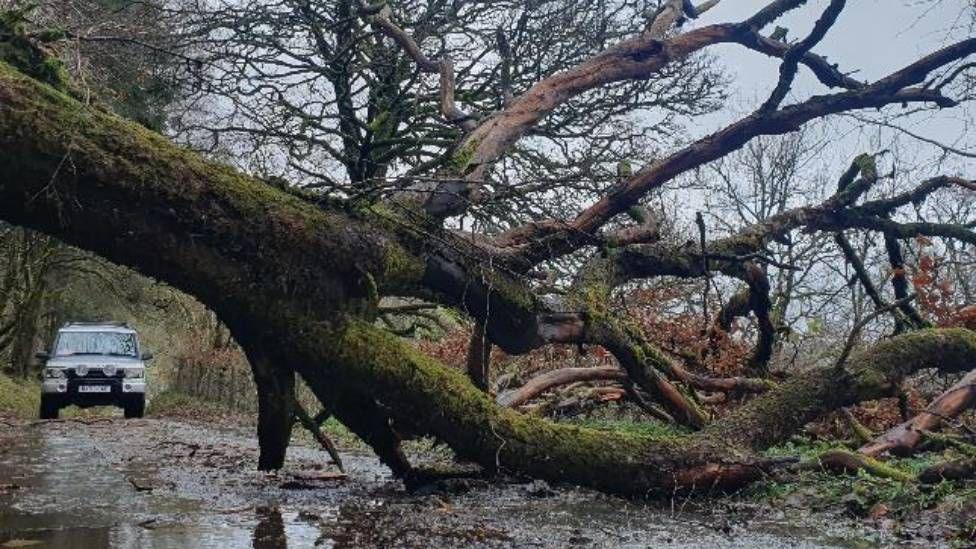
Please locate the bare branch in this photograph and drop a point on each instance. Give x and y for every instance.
(793, 55)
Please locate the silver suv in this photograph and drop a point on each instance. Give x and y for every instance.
(94, 364)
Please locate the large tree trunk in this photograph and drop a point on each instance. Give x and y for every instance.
(299, 281)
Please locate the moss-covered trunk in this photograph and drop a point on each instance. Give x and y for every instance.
(293, 279)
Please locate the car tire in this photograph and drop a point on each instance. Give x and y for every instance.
(135, 408)
(49, 408)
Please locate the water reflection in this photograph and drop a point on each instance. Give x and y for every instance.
(269, 533)
(63, 493)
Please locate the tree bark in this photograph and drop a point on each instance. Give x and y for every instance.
(276, 411)
(479, 357)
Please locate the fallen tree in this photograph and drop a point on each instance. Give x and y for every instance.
(297, 276)
(296, 283)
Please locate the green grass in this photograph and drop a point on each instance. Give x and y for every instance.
(340, 435)
(19, 398)
(172, 403)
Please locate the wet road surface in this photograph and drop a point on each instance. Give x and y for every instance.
(166, 484)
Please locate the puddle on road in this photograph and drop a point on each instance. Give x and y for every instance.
(132, 485)
(62, 493)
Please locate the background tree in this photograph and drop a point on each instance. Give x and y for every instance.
(340, 105)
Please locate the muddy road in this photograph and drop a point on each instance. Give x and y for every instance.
(165, 483)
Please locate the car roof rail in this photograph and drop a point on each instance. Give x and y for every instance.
(98, 323)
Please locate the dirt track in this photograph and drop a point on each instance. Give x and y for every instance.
(167, 483)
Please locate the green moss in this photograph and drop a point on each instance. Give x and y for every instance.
(401, 267)
(24, 52)
(859, 492)
(511, 290)
(376, 124)
(461, 159)
(875, 467)
(447, 406)
(52, 70)
(877, 370)
(345, 439)
(867, 165)
(652, 429)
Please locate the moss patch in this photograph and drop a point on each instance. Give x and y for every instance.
(651, 428)
(345, 439)
(25, 52)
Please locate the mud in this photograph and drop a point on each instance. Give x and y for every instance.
(165, 483)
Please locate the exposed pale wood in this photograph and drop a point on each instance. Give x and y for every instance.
(557, 378)
(906, 436)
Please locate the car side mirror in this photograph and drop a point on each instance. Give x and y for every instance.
(147, 356)
(42, 355)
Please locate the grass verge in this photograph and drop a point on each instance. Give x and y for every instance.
(19, 398)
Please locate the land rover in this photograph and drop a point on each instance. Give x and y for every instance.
(94, 364)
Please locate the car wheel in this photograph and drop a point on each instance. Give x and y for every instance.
(49, 408)
(135, 408)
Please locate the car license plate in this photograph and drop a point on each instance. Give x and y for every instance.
(95, 389)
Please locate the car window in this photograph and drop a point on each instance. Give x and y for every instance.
(96, 343)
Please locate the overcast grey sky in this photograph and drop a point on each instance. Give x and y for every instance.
(874, 37)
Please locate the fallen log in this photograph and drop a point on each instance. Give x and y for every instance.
(905, 437)
(960, 469)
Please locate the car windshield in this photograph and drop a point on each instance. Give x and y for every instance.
(96, 343)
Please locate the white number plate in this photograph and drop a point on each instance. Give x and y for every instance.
(95, 389)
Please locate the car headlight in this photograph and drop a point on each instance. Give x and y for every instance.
(109, 370)
(53, 373)
(133, 372)
(81, 370)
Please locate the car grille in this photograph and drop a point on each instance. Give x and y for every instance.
(96, 373)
